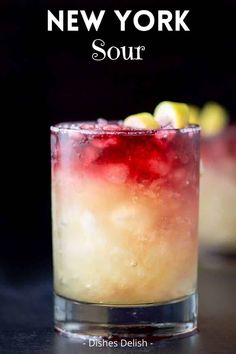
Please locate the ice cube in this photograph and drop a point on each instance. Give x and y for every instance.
(116, 173)
(134, 218)
(163, 138)
(103, 142)
(90, 155)
(87, 126)
(111, 127)
(88, 222)
(180, 176)
(159, 167)
(102, 121)
(77, 137)
(123, 214)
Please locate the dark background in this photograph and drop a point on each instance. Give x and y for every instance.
(50, 77)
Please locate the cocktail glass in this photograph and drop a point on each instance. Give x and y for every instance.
(125, 216)
(218, 193)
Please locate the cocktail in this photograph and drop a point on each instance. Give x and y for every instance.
(217, 224)
(218, 192)
(125, 216)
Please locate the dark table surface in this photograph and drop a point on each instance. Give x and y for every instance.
(26, 325)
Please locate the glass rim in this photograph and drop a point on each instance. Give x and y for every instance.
(65, 127)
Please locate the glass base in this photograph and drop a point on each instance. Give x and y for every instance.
(163, 320)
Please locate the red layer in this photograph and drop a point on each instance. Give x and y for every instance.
(170, 156)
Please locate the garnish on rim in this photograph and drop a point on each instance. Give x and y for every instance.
(213, 118)
(172, 114)
(142, 120)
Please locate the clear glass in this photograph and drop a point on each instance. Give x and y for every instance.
(218, 193)
(125, 216)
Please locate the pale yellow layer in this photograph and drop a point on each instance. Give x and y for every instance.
(119, 244)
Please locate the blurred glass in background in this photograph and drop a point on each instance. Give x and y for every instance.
(217, 220)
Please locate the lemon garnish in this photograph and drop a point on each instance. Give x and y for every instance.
(194, 114)
(174, 114)
(142, 120)
(213, 118)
